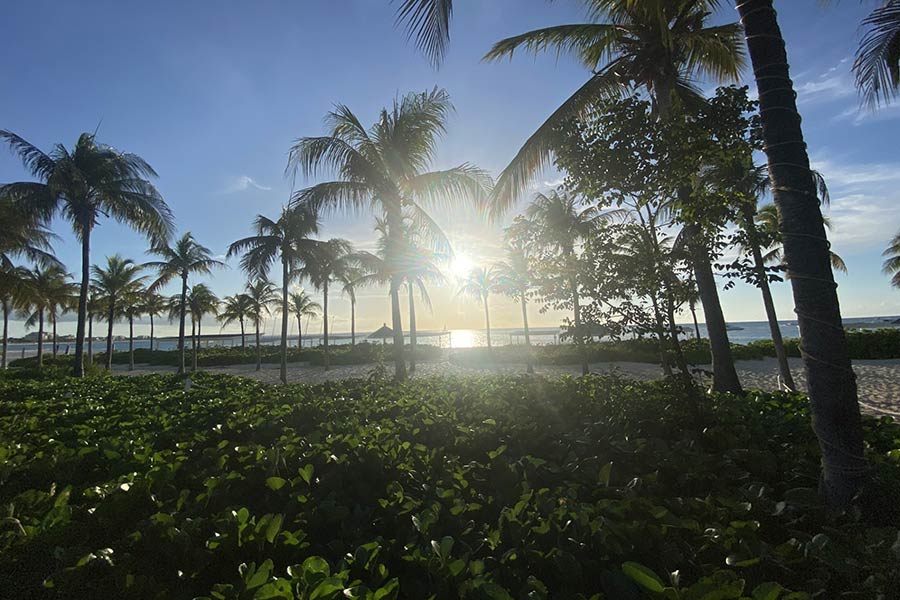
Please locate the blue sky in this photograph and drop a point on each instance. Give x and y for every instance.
(213, 93)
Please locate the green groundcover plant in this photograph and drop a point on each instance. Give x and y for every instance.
(494, 487)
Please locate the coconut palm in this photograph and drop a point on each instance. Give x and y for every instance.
(513, 279)
(301, 305)
(13, 288)
(767, 222)
(42, 289)
(90, 181)
(200, 301)
(891, 264)
(349, 281)
(63, 298)
(285, 240)
(132, 306)
(479, 284)
(428, 22)
(327, 262)
(152, 305)
(119, 279)
(561, 222)
(180, 260)
(830, 380)
(23, 236)
(877, 64)
(385, 169)
(261, 295)
(94, 310)
(235, 308)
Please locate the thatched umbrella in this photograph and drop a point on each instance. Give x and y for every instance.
(382, 334)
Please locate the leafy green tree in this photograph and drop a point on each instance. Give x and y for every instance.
(877, 64)
(116, 283)
(200, 301)
(479, 284)
(262, 296)
(831, 382)
(327, 262)
(385, 169)
(286, 241)
(180, 260)
(235, 308)
(303, 306)
(88, 182)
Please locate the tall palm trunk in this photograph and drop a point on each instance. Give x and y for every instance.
(53, 331)
(90, 339)
(131, 342)
(151, 332)
(111, 317)
(181, 317)
(83, 299)
(487, 319)
(412, 329)
(285, 315)
(759, 267)
(258, 349)
(693, 307)
(830, 379)
(41, 338)
(529, 366)
(243, 342)
(195, 341)
(353, 320)
(299, 332)
(725, 377)
(673, 333)
(576, 305)
(5, 330)
(397, 325)
(325, 324)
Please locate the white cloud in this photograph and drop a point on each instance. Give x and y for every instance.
(835, 83)
(847, 175)
(242, 183)
(859, 114)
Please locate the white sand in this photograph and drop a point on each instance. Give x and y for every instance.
(878, 380)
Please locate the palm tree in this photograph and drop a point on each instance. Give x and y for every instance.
(235, 308)
(120, 279)
(261, 295)
(891, 264)
(428, 21)
(877, 64)
(514, 279)
(286, 240)
(384, 169)
(830, 380)
(153, 305)
(766, 219)
(562, 223)
(23, 236)
(42, 289)
(328, 261)
(132, 306)
(302, 305)
(90, 181)
(350, 280)
(180, 260)
(94, 309)
(200, 301)
(13, 288)
(479, 284)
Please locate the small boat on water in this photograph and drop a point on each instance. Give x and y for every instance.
(730, 327)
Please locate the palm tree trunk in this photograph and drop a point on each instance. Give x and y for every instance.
(194, 343)
(131, 342)
(830, 379)
(579, 338)
(673, 333)
(325, 324)
(725, 378)
(258, 349)
(759, 266)
(151, 332)
(111, 317)
(41, 338)
(181, 323)
(487, 320)
(397, 325)
(353, 320)
(299, 333)
(53, 330)
(412, 329)
(83, 299)
(5, 330)
(243, 342)
(528, 361)
(660, 336)
(693, 308)
(90, 339)
(285, 315)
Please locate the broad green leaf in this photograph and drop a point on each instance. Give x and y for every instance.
(605, 472)
(643, 576)
(276, 483)
(274, 527)
(306, 473)
(767, 591)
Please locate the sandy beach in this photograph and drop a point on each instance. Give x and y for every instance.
(878, 380)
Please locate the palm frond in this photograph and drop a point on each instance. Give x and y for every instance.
(428, 22)
(877, 63)
(589, 42)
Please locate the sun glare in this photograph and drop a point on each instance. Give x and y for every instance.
(461, 265)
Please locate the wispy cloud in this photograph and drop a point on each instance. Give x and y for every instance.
(243, 183)
(858, 114)
(834, 84)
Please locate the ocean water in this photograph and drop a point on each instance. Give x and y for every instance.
(739, 332)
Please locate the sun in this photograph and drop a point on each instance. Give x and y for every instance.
(461, 265)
